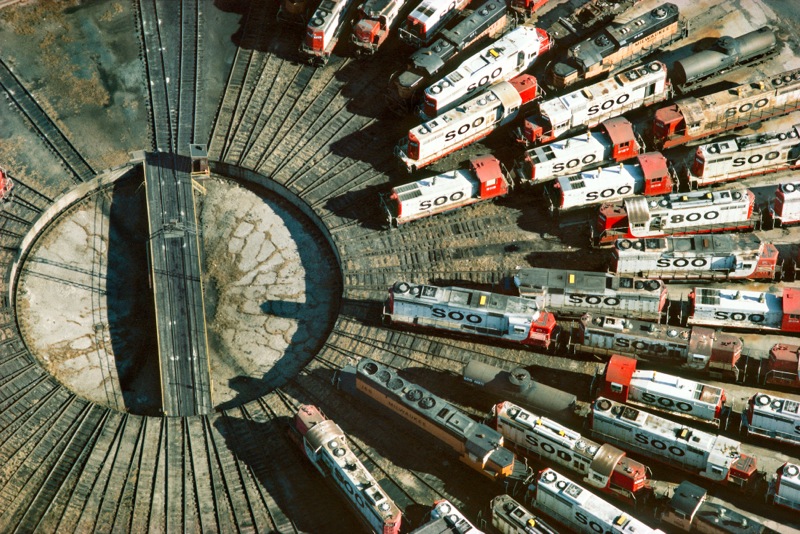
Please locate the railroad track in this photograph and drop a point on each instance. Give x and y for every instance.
(24, 101)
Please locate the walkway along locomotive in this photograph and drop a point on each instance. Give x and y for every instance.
(716, 458)
(484, 180)
(567, 293)
(697, 212)
(617, 46)
(471, 121)
(603, 467)
(471, 312)
(502, 60)
(706, 257)
(325, 444)
(477, 445)
(613, 141)
(754, 310)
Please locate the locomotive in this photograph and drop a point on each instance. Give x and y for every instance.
(484, 180)
(708, 257)
(785, 209)
(454, 520)
(603, 467)
(696, 212)
(509, 517)
(293, 12)
(727, 54)
(502, 60)
(784, 489)
(580, 510)
(716, 458)
(754, 310)
(631, 89)
(573, 293)
(478, 446)
(772, 417)
(471, 312)
(694, 118)
(659, 391)
(486, 21)
(518, 386)
(425, 21)
(613, 141)
(649, 175)
(617, 46)
(743, 156)
(696, 349)
(782, 367)
(471, 121)
(325, 444)
(6, 185)
(374, 21)
(323, 30)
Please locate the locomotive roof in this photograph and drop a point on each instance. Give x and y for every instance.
(711, 243)
(472, 298)
(687, 498)
(377, 8)
(567, 148)
(748, 142)
(674, 385)
(790, 474)
(434, 185)
(640, 208)
(744, 301)
(772, 406)
(619, 130)
(540, 278)
(556, 431)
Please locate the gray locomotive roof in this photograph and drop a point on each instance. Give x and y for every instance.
(481, 299)
(538, 278)
(687, 498)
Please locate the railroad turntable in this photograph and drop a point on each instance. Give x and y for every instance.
(295, 260)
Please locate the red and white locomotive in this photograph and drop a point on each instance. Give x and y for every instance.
(573, 293)
(785, 209)
(471, 121)
(613, 141)
(708, 257)
(698, 117)
(603, 467)
(713, 457)
(757, 310)
(471, 312)
(580, 510)
(631, 89)
(649, 175)
(484, 179)
(502, 60)
(773, 418)
(324, 28)
(696, 349)
(425, 21)
(784, 489)
(622, 382)
(697, 212)
(743, 156)
(782, 368)
(374, 21)
(325, 444)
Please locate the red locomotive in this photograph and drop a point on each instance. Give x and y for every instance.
(782, 367)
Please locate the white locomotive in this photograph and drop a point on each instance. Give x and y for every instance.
(430, 16)
(713, 457)
(742, 156)
(631, 89)
(325, 444)
(580, 510)
(697, 212)
(602, 466)
(484, 179)
(324, 28)
(509, 517)
(573, 293)
(613, 141)
(453, 518)
(697, 349)
(711, 257)
(772, 417)
(471, 312)
(785, 209)
(504, 59)
(649, 175)
(784, 489)
(733, 308)
(471, 121)
(622, 382)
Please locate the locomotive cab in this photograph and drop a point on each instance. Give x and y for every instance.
(368, 31)
(669, 122)
(623, 139)
(791, 310)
